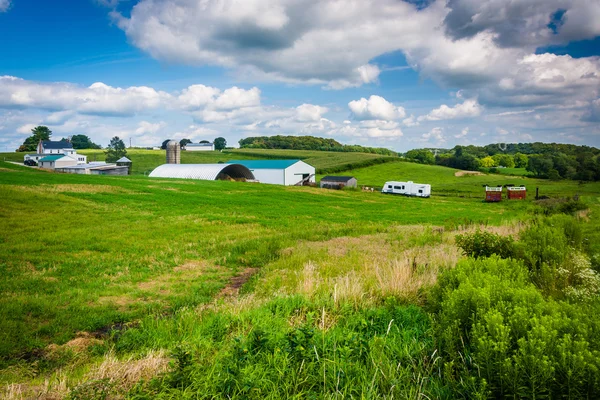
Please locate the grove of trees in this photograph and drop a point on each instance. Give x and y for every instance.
(38, 133)
(83, 142)
(544, 160)
(307, 143)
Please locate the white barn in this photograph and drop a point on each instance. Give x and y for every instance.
(200, 147)
(407, 188)
(57, 160)
(279, 172)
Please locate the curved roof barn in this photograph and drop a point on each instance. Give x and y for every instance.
(208, 172)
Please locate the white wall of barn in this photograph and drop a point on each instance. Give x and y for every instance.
(295, 173)
(272, 176)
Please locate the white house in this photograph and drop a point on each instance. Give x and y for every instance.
(49, 147)
(57, 160)
(407, 188)
(279, 172)
(200, 147)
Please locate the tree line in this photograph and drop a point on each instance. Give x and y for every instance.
(307, 143)
(544, 160)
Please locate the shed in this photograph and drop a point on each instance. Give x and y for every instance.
(280, 172)
(56, 160)
(337, 182)
(493, 193)
(125, 162)
(209, 172)
(516, 193)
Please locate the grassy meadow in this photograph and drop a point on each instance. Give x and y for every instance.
(133, 287)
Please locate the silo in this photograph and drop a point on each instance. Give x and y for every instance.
(173, 152)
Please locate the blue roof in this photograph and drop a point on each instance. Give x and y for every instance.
(264, 164)
(53, 157)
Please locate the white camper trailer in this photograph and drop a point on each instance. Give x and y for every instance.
(407, 188)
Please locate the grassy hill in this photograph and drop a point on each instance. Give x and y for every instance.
(144, 161)
(110, 282)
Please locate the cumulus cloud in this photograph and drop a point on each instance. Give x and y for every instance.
(4, 5)
(310, 113)
(467, 109)
(375, 108)
(462, 133)
(436, 135)
(99, 99)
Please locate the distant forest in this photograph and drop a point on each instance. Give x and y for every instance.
(307, 143)
(544, 160)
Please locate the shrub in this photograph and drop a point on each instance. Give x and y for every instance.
(501, 338)
(485, 244)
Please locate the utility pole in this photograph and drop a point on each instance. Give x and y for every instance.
(129, 142)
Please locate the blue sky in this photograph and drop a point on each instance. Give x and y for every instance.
(400, 75)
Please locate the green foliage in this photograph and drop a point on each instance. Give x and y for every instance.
(220, 143)
(521, 160)
(38, 133)
(183, 142)
(498, 334)
(163, 146)
(83, 142)
(115, 150)
(504, 160)
(560, 205)
(307, 143)
(422, 156)
(485, 244)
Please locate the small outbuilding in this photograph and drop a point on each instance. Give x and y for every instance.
(493, 193)
(125, 162)
(280, 172)
(516, 193)
(207, 172)
(337, 182)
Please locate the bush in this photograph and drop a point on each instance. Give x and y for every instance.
(499, 337)
(485, 244)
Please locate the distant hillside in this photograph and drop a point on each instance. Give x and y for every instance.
(307, 143)
(544, 160)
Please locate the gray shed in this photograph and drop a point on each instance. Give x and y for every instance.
(338, 182)
(125, 162)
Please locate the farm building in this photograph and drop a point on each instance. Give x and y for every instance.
(94, 168)
(209, 172)
(407, 188)
(337, 182)
(200, 147)
(516, 192)
(57, 160)
(493, 194)
(125, 162)
(48, 147)
(280, 172)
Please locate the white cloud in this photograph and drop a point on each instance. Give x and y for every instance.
(436, 134)
(462, 134)
(375, 108)
(467, 109)
(411, 121)
(99, 99)
(310, 113)
(4, 5)
(26, 129)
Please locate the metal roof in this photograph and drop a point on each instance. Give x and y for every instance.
(123, 159)
(335, 178)
(198, 144)
(265, 164)
(61, 144)
(53, 157)
(209, 172)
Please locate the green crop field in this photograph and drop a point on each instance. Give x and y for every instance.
(133, 287)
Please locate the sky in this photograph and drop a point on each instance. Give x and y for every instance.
(399, 74)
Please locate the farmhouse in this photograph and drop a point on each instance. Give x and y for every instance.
(209, 172)
(337, 182)
(49, 147)
(94, 168)
(407, 188)
(280, 172)
(57, 160)
(200, 147)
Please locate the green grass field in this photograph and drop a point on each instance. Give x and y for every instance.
(335, 307)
